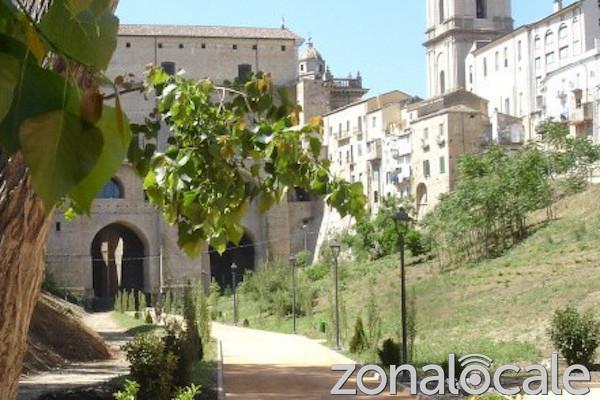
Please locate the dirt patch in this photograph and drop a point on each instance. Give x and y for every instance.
(58, 337)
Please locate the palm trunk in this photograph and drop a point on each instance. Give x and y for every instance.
(23, 231)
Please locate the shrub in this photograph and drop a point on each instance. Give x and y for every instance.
(389, 354)
(174, 341)
(193, 342)
(187, 393)
(575, 335)
(148, 318)
(203, 314)
(359, 342)
(317, 272)
(151, 366)
(130, 391)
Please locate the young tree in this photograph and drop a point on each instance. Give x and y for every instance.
(60, 142)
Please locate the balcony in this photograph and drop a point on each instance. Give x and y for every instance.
(583, 113)
(349, 83)
(425, 144)
(374, 150)
(441, 140)
(343, 135)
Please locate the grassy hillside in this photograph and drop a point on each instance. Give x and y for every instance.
(498, 307)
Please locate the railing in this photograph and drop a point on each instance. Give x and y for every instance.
(374, 150)
(583, 113)
(348, 83)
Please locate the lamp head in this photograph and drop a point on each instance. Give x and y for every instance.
(335, 247)
(402, 216)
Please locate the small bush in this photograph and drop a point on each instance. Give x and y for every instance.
(246, 323)
(575, 335)
(148, 318)
(389, 354)
(129, 392)
(151, 366)
(193, 342)
(317, 272)
(359, 342)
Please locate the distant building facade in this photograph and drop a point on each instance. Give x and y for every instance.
(125, 243)
(514, 71)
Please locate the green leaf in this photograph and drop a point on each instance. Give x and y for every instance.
(38, 92)
(115, 138)
(88, 35)
(62, 156)
(9, 76)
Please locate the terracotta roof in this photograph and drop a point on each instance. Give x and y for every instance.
(208, 31)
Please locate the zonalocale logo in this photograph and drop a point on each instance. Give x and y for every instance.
(474, 379)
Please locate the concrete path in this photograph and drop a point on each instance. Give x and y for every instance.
(262, 365)
(84, 374)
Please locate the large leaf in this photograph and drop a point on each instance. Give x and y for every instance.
(116, 134)
(88, 35)
(9, 76)
(38, 91)
(60, 153)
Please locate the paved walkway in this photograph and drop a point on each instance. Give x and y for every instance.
(262, 365)
(82, 375)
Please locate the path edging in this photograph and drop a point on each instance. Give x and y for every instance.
(220, 388)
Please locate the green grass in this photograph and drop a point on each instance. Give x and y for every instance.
(499, 307)
(134, 326)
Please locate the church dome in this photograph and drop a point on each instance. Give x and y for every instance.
(309, 52)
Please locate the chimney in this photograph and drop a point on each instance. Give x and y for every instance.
(557, 5)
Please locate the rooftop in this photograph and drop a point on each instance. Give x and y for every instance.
(208, 32)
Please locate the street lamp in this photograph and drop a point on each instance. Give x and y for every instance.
(305, 229)
(292, 261)
(335, 251)
(402, 219)
(234, 268)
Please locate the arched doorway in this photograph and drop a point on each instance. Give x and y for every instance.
(117, 261)
(242, 255)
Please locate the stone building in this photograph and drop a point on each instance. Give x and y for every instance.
(452, 28)
(124, 242)
(318, 91)
(443, 129)
(514, 71)
(367, 142)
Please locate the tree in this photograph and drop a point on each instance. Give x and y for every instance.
(60, 142)
(57, 141)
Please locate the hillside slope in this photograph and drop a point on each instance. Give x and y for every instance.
(500, 307)
(57, 337)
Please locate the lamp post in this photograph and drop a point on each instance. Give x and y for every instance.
(292, 261)
(234, 268)
(335, 251)
(305, 229)
(402, 219)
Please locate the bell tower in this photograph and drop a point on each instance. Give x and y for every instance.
(453, 26)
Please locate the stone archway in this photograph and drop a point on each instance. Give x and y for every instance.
(118, 255)
(242, 255)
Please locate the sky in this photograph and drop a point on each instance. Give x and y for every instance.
(380, 38)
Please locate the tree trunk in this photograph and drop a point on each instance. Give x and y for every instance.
(23, 232)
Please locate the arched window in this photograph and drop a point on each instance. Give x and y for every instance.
(549, 38)
(442, 82)
(112, 190)
(563, 32)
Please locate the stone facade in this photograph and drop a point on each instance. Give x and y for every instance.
(124, 232)
(514, 72)
(442, 130)
(452, 28)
